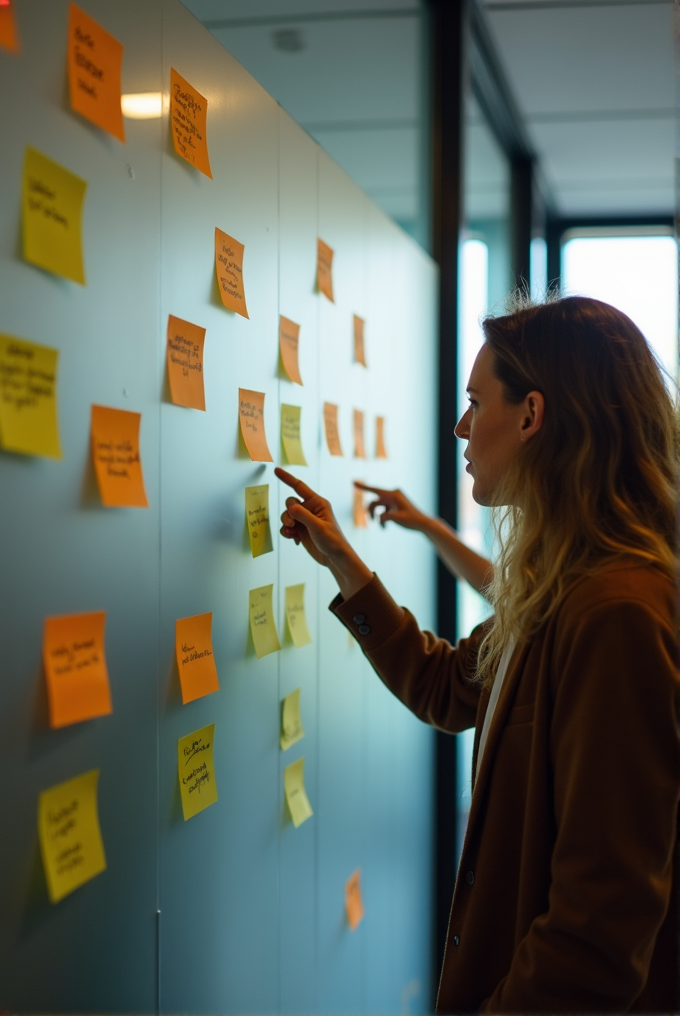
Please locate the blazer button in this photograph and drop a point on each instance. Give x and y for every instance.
(470, 877)
(364, 629)
(359, 618)
(456, 940)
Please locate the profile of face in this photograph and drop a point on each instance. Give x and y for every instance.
(494, 428)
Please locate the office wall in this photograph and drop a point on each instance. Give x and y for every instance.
(234, 910)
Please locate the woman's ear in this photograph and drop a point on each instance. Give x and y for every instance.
(532, 421)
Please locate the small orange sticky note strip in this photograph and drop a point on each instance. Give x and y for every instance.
(289, 334)
(75, 668)
(188, 113)
(380, 449)
(115, 450)
(251, 418)
(95, 59)
(324, 269)
(9, 36)
(330, 421)
(359, 445)
(185, 363)
(195, 660)
(359, 350)
(229, 268)
(359, 509)
(353, 903)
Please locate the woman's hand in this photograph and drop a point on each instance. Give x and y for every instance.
(309, 520)
(397, 507)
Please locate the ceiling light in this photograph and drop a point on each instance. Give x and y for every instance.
(142, 105)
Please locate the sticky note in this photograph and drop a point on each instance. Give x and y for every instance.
(185, 363)
(359, 509)
(359, 351)
(95, 59)
(359, 445)
(330, 421)
(195, 660)
(115, 450)
(28, 398)
(75, 668)
(289, 335)
(324, 269)
(70, 837)
(380, 449)
(251, 418)
(290, 435)
(257, 519)
(196, 771)
(262, 624)
(188, 113)
(229, 268)
(291, 724)
(296, 795)
(353, 904)
(295, 615)
(52, 212)
(9, 36)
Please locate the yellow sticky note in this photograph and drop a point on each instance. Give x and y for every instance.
(262, 624)
(188, 113)
(330, 421)
(28, 398)
(380, 449)
(52, 216)
(353, 903)
(257, 519)
(229, 269)
(290, 435)
(251, 420)
(359, 350)
(359, 443)
(295, 615)
(196, 771)
(115, 450)
(195, 660)
(184, 354)
(95, 59)
(75, 668)
(70, 838)
(296, 795)
(324, 269)
(291, 723)
(9, 36)
(289, 336)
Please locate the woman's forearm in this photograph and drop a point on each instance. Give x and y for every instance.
(464, 562)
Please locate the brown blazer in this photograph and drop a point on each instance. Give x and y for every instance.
(565, 899)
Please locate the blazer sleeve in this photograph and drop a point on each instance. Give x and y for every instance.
(615, 754)
(431, 677)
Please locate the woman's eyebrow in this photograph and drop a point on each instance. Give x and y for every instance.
(471, 389)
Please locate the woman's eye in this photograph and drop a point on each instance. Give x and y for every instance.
(472, 403)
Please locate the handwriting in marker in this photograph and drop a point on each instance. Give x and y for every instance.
(194, 654)
(196, 784)
(188, 117)
(94, 72)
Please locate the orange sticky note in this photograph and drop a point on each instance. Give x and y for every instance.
(359, 351)
(75, 668)
(185, 363)
(188, 112)
(9, 36)
(380, 450)
(359, 509)
(229, 268)
(353, 903)
(359, 446)
(330, 420)
(115, 450)
(94, 65)
(289, 334)
(324, 269)
(251, 418)
(195, 661)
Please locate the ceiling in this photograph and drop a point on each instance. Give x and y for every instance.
(593, 79)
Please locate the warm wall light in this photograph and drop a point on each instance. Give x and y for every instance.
(142, 105)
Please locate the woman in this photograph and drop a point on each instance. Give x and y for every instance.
(565, 899)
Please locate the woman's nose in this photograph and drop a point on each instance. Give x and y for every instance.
(462, 428)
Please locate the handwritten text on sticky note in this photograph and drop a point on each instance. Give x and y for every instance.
(262, 624)
(195, 659)
(229, 269)
(289, 336)
(185, 363)
(75, 668)
(70, 837)
(291, 723)
(94, 70)
(290, 435)
(196, 770)
(28, 398)
(330, 420)
(359, 508)
(295, 615)
(251, 420)
(359, 443)
(380, 449)
(188, 114)
(257, 519)
(52, 211)
(296, 795)
(115, 450)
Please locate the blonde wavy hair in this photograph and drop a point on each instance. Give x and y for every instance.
(597, 482)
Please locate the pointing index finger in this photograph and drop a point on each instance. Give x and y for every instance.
(299, 486)
(372, 490)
